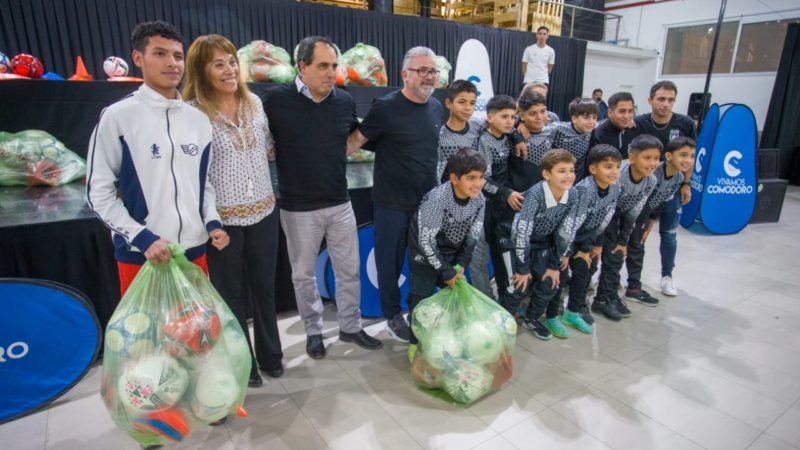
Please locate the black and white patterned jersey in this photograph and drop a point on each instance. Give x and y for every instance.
(538, 226)
(665, 187)
(498, 149)
(444, 230)
(632, 200)
(567, 137)
(451, 141)
(524, 173)
(595, 211)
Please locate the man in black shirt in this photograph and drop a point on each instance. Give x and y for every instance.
(618, 130)
(403, 130)
(666, 125)
(313, 186)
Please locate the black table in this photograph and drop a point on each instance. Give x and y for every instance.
(50, 233)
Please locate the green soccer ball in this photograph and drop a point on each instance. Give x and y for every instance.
(483, 342)
(466, 382)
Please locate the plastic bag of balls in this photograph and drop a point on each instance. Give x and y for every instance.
(175, 358)
(444, 71)
(262, 61)
(36, 158)
(466, 344)
(365, 66)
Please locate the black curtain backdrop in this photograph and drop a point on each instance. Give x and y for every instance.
(782, 127)
(59, 30)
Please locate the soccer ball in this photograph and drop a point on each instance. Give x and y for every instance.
(5, 64)
(215, 392)
(442, 349)
(466, 382)
(506, 324)
(152, 383)
(115, 66)
(193, 332)
(27, 66)
(132, 335)
(484, 343)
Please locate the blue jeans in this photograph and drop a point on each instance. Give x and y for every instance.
(668, 229)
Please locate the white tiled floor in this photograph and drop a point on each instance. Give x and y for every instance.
(716, 367)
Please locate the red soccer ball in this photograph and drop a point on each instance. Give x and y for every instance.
(27, 66)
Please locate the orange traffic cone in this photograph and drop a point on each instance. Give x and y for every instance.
(81, 74)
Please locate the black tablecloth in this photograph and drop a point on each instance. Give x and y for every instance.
(50, 234)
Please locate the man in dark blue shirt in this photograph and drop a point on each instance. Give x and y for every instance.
(403, 130)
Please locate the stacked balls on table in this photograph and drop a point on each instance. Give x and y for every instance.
(465, 357)
(173, 373)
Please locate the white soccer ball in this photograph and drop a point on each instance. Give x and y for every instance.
(152, 383)
(115, 66)
(484, 342)
(215, 393)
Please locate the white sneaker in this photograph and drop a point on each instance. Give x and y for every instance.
(668, 287)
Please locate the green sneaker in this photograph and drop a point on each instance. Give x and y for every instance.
(412, 351)
(576, 320)
(555, 327)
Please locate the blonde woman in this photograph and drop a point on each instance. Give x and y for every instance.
(239, 172)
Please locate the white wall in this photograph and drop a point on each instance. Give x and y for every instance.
(615, 69)
(646, 27)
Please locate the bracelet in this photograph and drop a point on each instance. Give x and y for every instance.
(686, 183)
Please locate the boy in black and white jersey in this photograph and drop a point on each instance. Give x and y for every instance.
(679, 158)
(445, 228)
(598, 195)
(542, 232)
(637, 182)
(461, 130)
(574, 135)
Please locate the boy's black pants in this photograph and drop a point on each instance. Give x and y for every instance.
(612, 262)
(579, 284)
(544, 297)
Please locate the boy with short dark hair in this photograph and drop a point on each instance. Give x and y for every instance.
(574, 136)
(445, 228)
(598, 196)
(502, 201)
(679, 158)
(527, 171)
(542, 232)
(461, 130)
(637, 182)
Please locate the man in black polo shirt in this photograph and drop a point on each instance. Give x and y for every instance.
(403, 130)
(666, 126)
(618, 130)
(310, 121)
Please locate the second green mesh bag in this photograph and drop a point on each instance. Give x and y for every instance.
(466, 343)
(175, 357)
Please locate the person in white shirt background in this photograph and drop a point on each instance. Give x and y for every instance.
(538, 59)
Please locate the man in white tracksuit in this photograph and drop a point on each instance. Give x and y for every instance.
(148, 163)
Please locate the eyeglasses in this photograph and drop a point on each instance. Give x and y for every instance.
(424, 72)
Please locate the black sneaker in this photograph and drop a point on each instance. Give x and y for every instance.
(607, 309)
(620, 305)
(536, 328)
(641, 296)
(586, 314)
(398, 329)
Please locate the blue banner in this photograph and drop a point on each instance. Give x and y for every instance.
(370, 295)
(729, 191)
(705, 145)
(49, 335)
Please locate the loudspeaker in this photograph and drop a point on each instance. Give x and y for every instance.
(767, 162)
(696, 104)
(769, 200)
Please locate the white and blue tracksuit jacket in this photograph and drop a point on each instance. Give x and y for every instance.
(147, 178)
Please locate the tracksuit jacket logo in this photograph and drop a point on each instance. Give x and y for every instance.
(190, 149)
(155, 151)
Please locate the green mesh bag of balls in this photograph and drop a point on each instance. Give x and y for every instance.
(175, 357)
(466, 344)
